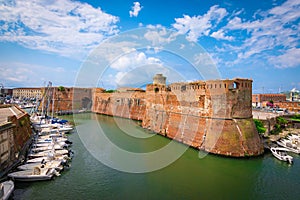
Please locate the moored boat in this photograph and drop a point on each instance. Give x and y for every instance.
(48, 153)
(56, 164)
(280, 153)
(289, 145)
(45, 148)
(6, 189)
(35, 174)
(62, 158)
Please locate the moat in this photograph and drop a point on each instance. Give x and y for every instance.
(189, 177)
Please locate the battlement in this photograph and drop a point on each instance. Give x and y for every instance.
(211, 85)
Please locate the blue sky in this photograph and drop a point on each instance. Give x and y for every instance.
(42, 40)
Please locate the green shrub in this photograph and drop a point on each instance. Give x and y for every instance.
(281, 121)
(61, 88)
(110, 91)
(259, 126)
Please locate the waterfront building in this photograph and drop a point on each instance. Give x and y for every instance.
(6, 142)
(260, 100)
(15, 133)
(27, 93)
(290, 106)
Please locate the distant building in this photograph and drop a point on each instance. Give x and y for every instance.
(260, 100)
(4, 92)
(27, 93)
(294, 95)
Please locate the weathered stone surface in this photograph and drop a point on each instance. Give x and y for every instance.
(68, 99)
(215, 116)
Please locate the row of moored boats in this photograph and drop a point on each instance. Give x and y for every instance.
(289, 144)
(48, 155)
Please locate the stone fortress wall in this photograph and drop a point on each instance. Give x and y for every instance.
(214, 115)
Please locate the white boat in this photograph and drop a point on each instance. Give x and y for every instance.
(62, 158)
(56, 164)
(45, 144)
(295, 140)
(45, 148)
(280, 153)
(35, 174)
(51, 135)
(54, 128)
(48, 152)
(50, 140)
(294, 136)
(289, 145)
(6, 189)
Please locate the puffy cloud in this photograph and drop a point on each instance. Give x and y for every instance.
(198, 26)
(136, 8)
(133, 60)
(158, 35)
(220, 35)
(64, 27)
(263, 40)
(270, 36)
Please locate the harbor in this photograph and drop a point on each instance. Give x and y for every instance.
(67, 152)
(189, 177)
(149, 100)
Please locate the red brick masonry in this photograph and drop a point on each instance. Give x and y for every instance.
(215, 116)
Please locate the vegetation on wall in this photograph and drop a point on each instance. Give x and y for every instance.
(296, 118)
(259, 126)
(61, 88)
(110, 91)
(279, 126)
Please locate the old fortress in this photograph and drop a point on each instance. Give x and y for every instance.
(214, 115)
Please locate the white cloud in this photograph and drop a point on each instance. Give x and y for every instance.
(290, 58)
(269, 36)
(26, 74)
(272, 33)
(198, 26)
(133, 60)
(220, 35)
(158, 35)
(136, 8)
(64, 27)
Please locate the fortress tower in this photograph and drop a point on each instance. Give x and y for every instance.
(213, 115)
(159, 79)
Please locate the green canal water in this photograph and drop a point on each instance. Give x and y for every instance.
(189, 177)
